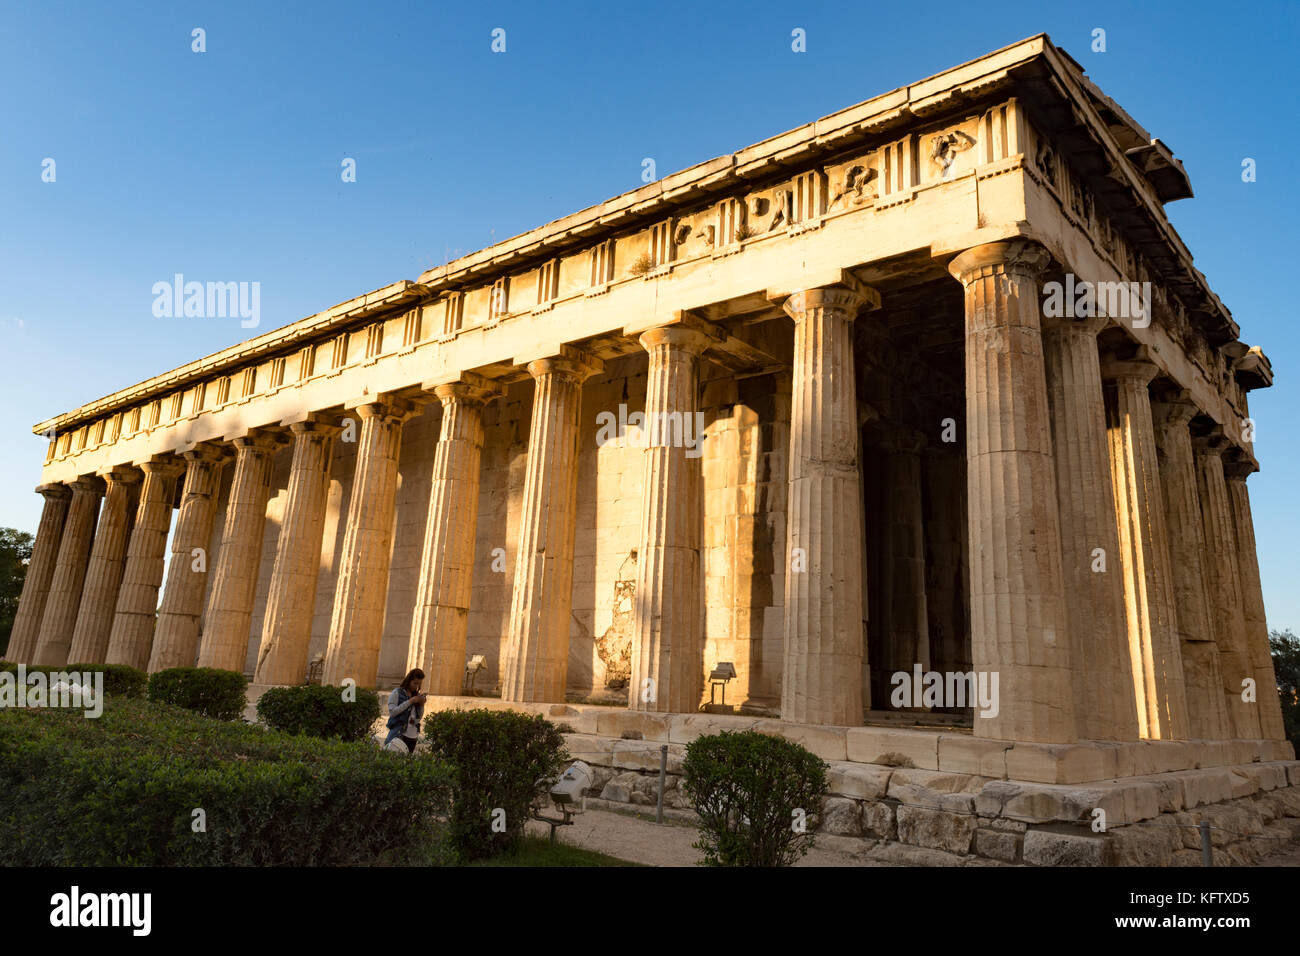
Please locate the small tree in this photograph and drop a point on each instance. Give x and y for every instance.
(758, 798)
(502, 761)
(1286, 669)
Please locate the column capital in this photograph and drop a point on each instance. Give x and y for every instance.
(569, 362)
(387, 408)
(1138, 370)
(468, 388)
(314, 427)
(1175, 410)
(1025, 256)
(851, 296)
(259, 439)
(122, 475)
(1239, 469)
(87, 485)
(165, 466)
(54, 490)
(689, 333)
(1086, 325)
(204, 452)
(1213, 443)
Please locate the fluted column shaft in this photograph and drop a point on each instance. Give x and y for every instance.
(1259, 656)
(228, 617)
(291, 600)
(822, 677)
(1154, 652)
(905, 613)
(440, 625)
(131, 638)
(1222, 585)
(537, 648)
(64, 600)
(104, 572)
(40, 572)
(176, 639)
(1207, 714)
(1094, 584)
(1018, 617)
(667, 653)
(361, 591)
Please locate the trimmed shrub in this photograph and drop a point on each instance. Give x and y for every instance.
(758, 797)
(502, 760)
(124, 788)
(204, 690)
(120, 680)
(319, 711)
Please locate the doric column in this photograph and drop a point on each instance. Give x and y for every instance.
(1222, 584)
(537, 649)
(1154, 651)
(176, 639)
(822, 675)
(291, 600)
(667, 649)
(361, 590)
(1094, 582)
(441, 621)
(1207, 714)
(904, 615)
(64, 599)
(40, 572)
(104, 573)
(1018, 617)
(131, 638)
(1259, 657)
(228, 617)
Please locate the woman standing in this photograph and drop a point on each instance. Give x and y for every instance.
(406, 710)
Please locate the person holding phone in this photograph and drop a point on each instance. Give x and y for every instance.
(406, 710)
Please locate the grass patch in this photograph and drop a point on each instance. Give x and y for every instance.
(537, 851)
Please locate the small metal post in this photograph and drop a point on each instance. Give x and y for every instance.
(1207, 854)
(663, 776)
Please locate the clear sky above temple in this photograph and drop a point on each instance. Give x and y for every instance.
(227, 165)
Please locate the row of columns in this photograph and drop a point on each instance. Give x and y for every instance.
(1101, 534)
(1091, 593)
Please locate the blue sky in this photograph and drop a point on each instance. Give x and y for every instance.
(225, 165)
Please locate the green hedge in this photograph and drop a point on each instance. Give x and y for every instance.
(119, 679)
(758, 797)
(204, 690)
(498, 757)
(123, 788)
(320, 711)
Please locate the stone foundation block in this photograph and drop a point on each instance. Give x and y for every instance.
(893, 748)
(864, 781)
(936, 829)
(998, 844)
(1053, 848)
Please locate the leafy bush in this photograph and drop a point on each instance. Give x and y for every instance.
(319, 711)
(120, 680)
(751, 792)
(204, 690)
(124, 788)
(502, 760)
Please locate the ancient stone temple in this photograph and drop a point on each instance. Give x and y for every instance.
(919, 416)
